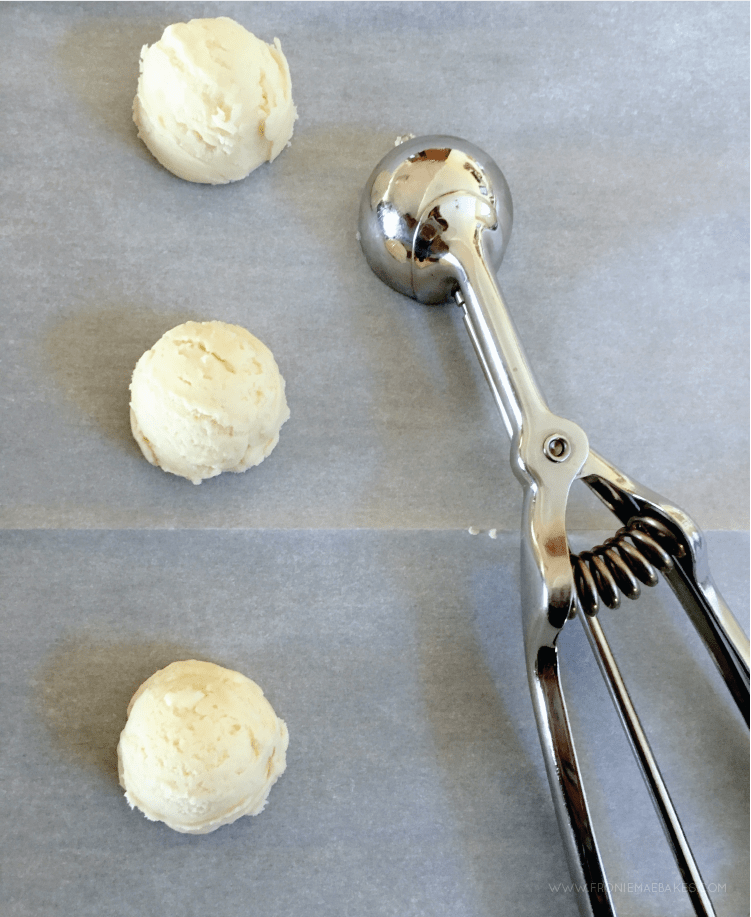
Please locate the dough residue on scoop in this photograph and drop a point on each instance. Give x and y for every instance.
(213, 102)
(208, 397)
(201, 748)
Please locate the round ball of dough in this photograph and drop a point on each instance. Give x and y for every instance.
(208, 397)
(213, 101)
(201, 748)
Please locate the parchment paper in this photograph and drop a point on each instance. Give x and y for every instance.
(340, 574)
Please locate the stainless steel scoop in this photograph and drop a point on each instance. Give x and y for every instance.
(435, 219)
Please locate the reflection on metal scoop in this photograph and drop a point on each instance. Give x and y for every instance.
(422, 205)
(435, 219)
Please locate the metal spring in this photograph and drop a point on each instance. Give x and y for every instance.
(632, 556)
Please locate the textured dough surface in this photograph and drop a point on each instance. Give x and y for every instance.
(208, 397)
(202, 747)
(213, 102)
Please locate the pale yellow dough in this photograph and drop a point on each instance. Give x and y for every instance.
(208, 397)
(202, 747)
(214, 102)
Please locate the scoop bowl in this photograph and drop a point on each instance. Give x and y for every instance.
(425, 202)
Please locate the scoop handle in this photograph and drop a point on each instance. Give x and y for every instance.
(541, 441)
(496, 342)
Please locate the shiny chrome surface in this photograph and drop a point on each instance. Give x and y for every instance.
(420, 203)
(435, 219)
(632, 556)
(688, 574)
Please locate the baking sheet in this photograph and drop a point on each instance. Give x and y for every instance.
(340, 573)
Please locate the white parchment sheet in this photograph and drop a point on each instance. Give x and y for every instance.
(340, 574)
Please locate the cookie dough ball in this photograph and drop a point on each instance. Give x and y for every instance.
(213, 101)
(202, 747)
(208, 397)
